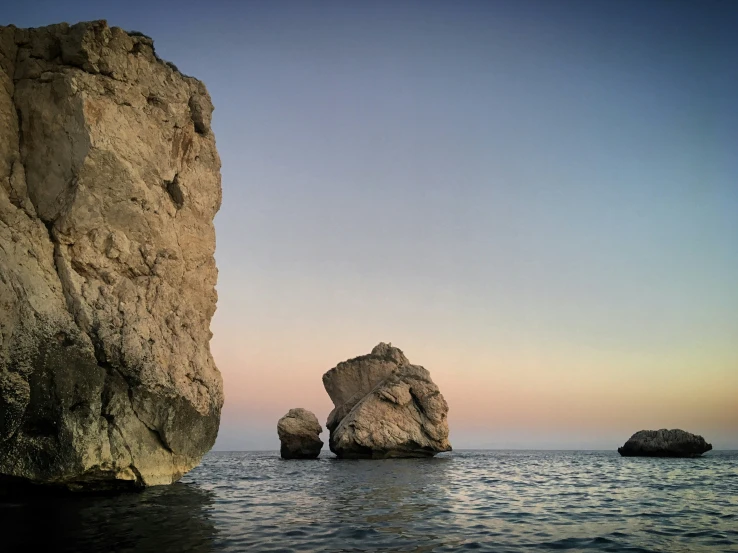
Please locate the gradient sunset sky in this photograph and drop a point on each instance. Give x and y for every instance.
(537, 201)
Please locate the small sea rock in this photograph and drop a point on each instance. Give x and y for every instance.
(664, 443)
(298, 433)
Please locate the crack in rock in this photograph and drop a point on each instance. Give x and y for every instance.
(104, 304)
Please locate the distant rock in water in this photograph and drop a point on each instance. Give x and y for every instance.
(298, 433)
(664, 443)
(109, 182)
(385, 407)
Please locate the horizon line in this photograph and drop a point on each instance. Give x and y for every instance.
(460, 449)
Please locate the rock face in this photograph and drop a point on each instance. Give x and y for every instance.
(109, 182)
(298, 433)
(385, 407)
(664, 443)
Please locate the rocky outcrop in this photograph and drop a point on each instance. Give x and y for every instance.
(298, 434)
(352, 380)
(109, 182)
(385, 407)
(664, 443)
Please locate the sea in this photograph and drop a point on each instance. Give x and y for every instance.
(464, 500)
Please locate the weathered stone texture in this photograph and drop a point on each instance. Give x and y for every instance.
(385, 407)
(299, 432)
(109, 182)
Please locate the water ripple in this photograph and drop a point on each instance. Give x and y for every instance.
(469, 500)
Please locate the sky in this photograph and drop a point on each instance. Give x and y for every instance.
(537, 201)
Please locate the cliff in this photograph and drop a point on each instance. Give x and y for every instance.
(109, 182)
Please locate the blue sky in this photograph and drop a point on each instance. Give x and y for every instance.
(535, 200)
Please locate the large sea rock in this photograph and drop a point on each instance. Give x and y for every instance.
(109, 182)
(385, 407)
(664, 443)
(299, 432)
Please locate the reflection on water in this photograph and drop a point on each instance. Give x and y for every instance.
(483, 500)
(172, 518)
(384, 502)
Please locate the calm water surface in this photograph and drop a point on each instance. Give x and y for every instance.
(476, 500)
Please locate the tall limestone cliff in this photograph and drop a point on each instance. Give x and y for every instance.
(109, 182)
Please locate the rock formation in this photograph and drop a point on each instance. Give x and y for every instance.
(298, 433)
(385, 407)
(664, 443)
(109, 182)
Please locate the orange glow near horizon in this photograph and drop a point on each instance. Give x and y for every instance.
(499, 392)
